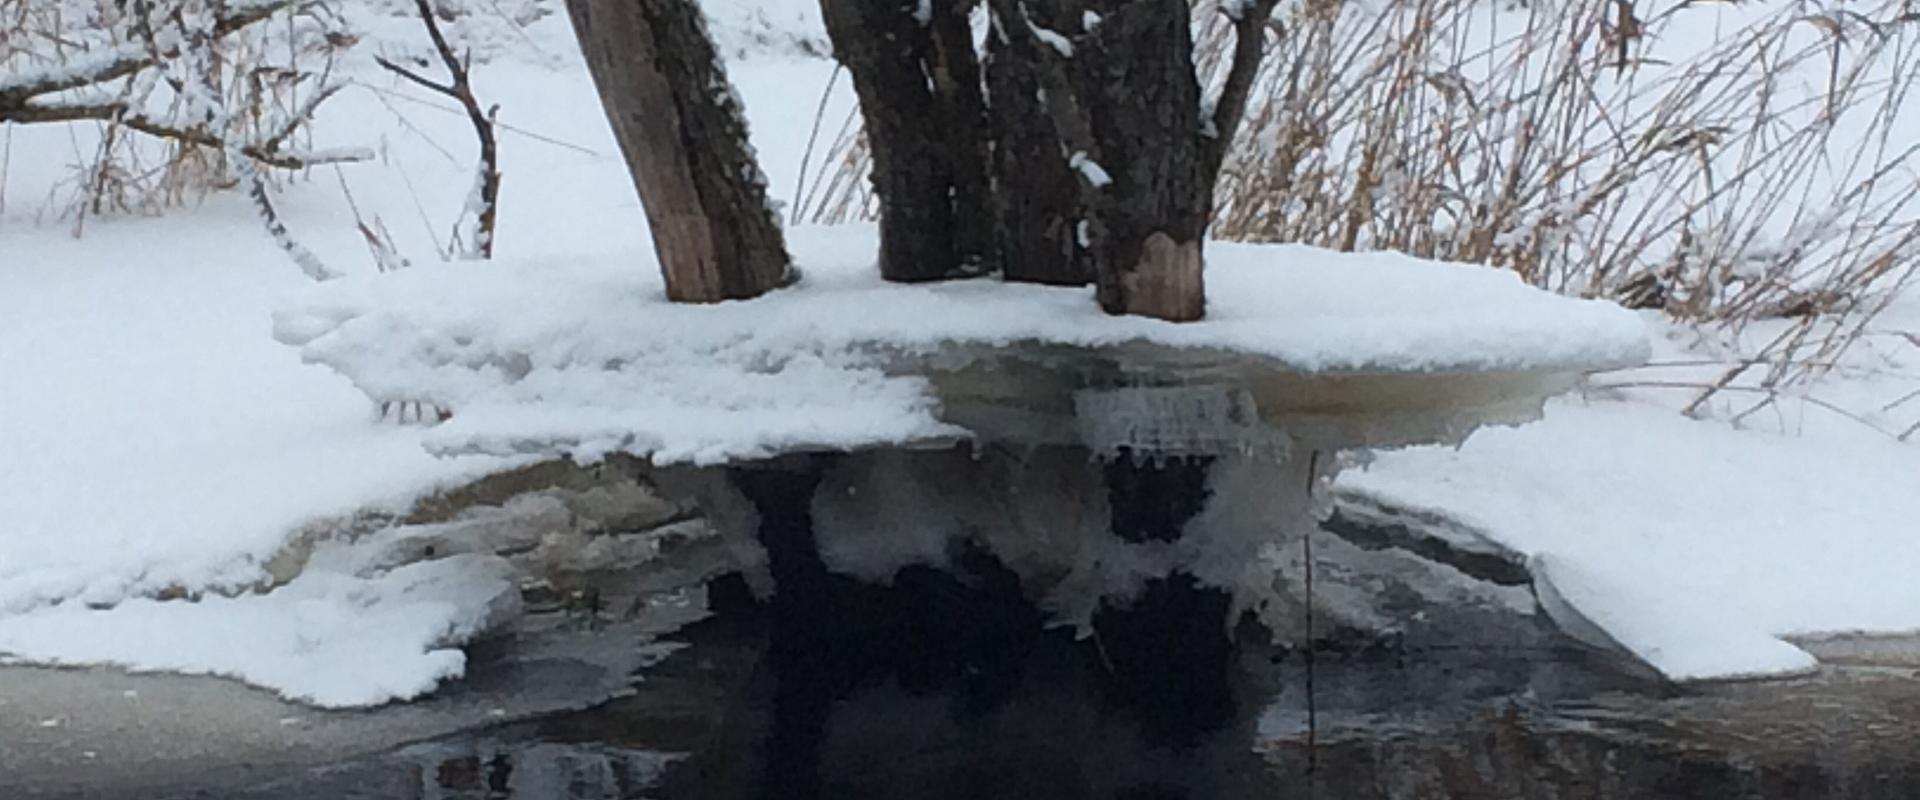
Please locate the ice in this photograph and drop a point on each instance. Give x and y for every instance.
(1682, 640)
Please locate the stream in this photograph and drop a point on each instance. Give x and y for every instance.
(926, 707)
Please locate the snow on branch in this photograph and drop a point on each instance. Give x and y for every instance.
(28, 96)
(268, 152)
(120, 61)
(474, 241)
(1249, 18)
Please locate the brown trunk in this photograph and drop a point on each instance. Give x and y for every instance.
(919, 87)
(686, 145)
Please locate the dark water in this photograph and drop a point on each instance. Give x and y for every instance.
(942, 699)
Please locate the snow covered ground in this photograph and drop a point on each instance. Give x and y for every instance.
(154, 437)
(156, 440)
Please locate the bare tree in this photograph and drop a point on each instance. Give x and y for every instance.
(681, 130)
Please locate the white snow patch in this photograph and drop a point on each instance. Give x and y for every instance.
(1053, 39)
(327, 638)
(155, 435)
(1090, 170)
(1692, 543)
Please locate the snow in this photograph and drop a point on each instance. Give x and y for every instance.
(330, 639)
(1090, 170)
(157, 442)
(1682, 641)
(1053, 39)
(136, 461)
(1696, 543)
(585, 356)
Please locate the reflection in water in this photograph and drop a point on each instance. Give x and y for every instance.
(899, 711)
(530, 770)
(943, 687)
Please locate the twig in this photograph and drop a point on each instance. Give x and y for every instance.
(1770, 393)
(387, 94)
(460, 88)
(112, 112)
(126, 59)
(1249, 20)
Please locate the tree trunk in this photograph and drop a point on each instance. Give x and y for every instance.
(685, 142)
(1143, 105)
(918, 80)
(1037, 227)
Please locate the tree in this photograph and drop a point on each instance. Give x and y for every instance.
(684, 138)
(1101, 152)
(918, 80)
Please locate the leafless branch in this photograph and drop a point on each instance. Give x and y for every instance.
(1249, 46)
(460, 88)
(416, 78)
(126, 59)
(266, 153)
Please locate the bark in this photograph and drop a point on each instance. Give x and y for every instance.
(920, 97)
(1124, 105)
(1036, 195)
(685, 142)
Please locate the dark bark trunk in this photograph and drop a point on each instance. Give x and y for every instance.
(686, 144)
(1115, 80)
(1143, 106)
(1036, 195)
(919, 87)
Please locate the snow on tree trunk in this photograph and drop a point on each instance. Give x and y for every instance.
(918, 80)
(681, 130)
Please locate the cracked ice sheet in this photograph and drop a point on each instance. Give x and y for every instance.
(1693, 544)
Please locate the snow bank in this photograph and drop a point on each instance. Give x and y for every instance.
(1693, 543)
(154, 439)
(332, 639)
(155, 436)
(586, 356)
